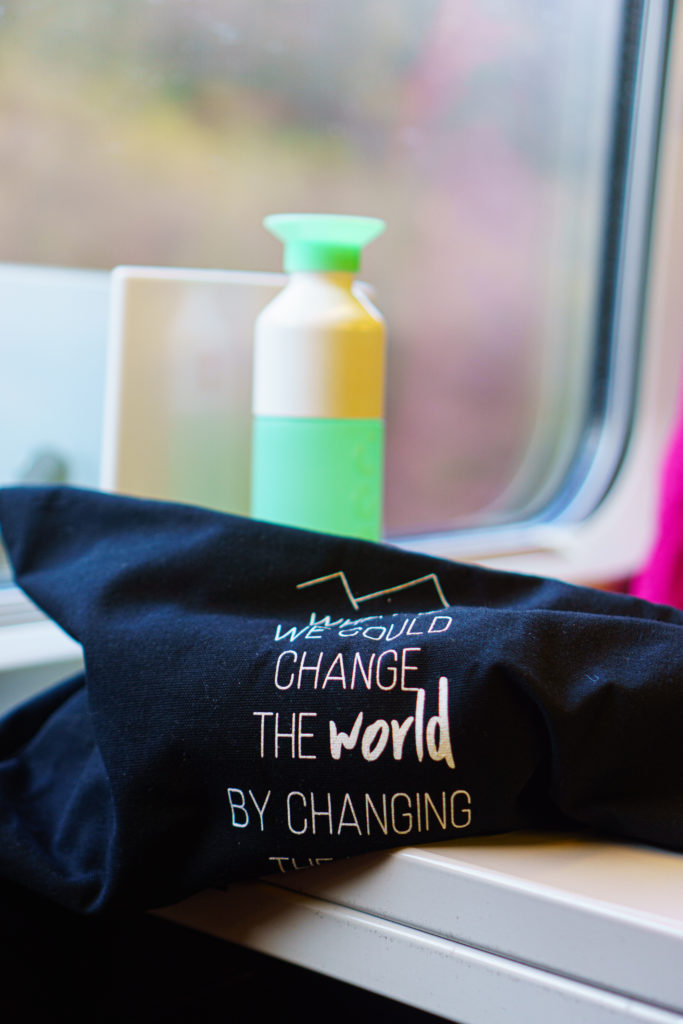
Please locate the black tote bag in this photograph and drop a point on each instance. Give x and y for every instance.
(257, 698)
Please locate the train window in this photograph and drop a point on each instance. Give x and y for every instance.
(509, 144)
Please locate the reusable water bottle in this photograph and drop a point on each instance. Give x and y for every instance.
(318, 441)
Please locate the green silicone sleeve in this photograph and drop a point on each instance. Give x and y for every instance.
(319, 474)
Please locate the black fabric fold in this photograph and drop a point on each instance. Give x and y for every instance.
(258, 698)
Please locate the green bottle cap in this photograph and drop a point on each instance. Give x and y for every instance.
(323, 241)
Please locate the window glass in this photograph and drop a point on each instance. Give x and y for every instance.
(163, 131)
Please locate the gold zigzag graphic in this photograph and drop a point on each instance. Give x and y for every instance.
(357, 601)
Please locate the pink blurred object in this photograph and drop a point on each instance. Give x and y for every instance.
(662, 578)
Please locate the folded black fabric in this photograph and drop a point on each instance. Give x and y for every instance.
(258, 698)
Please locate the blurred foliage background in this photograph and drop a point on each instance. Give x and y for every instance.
(163, 131)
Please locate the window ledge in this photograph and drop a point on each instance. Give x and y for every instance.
(31, 644)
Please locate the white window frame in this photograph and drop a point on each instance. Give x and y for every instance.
(606, 532)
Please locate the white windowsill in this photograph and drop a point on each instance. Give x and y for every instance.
(32, 644)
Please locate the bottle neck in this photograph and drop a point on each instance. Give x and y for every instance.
(336, 278)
